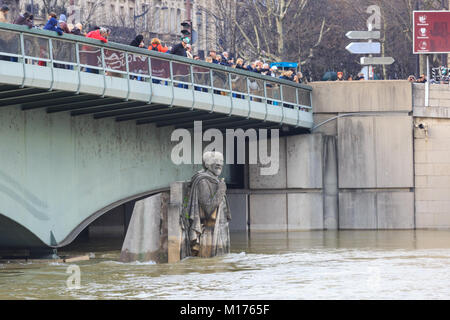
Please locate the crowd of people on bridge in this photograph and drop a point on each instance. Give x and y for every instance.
(183, 48)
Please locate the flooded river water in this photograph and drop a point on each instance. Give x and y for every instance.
(303, 265)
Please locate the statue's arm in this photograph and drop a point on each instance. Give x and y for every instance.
(208, 200)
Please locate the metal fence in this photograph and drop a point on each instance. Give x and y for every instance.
(47, 49)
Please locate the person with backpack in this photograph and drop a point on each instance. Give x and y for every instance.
(156, 45)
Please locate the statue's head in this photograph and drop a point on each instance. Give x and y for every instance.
(213, 162)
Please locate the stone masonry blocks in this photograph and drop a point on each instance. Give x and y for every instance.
(356, 153)
(357, 210)
(375, 152)
(239, 213)
(277, 181)
(395, 210)
(304, 161)
(268, 212)
(305, 211)
(394, 152)
(376, 210)
(345, 96)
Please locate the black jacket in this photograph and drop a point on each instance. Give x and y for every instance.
(24, 19)
(76, 31)
(179, 50)
(137, 41)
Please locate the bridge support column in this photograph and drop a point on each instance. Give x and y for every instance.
(146, 237)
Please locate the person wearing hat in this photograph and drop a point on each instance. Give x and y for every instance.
(62, 23)
(4, 14)
(156, 45)
(340, 76)
(273, 71)
(180, 48)
(77, 30)
(25, 19)
(189, 51)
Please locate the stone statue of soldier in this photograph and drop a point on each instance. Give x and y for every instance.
(208, 209)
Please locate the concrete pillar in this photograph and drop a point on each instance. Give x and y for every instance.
(177, 236)
(330, 184)
(146, 238)
(239, 211)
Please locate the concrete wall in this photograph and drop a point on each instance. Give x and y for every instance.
(362, 96)
(432, 173)
(376, 210)
(292, 199)
(355, 172)
(57, 170)
(432, 156)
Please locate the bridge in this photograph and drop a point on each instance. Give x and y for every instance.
(85, 126)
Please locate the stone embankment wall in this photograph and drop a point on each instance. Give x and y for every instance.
(372, 166)
(432, 157)
(355, 172)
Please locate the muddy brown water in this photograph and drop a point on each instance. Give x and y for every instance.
(301, 265)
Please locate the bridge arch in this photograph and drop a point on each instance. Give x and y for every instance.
(15, 235)
(100, 213)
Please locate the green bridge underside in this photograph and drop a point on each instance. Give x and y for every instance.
(77, 144)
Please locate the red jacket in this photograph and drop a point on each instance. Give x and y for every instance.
(158, 48)
(96, 35)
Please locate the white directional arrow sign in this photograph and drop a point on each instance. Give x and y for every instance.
(376, 60)
(364, 47)
(363, 35)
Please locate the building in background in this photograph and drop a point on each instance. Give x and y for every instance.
(127, 18)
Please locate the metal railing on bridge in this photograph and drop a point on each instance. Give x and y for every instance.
(47, 49)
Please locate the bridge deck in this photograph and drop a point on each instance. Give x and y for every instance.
(39, 69)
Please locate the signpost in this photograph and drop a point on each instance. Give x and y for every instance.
(376, 61)
(364, 47)
(369, 47)
(363, 35)
(431, 35)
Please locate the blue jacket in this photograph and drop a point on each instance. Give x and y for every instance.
(52, 25)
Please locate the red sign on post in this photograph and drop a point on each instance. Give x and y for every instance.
(431, 32)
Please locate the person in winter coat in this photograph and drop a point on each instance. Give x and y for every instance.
(99, 34)
(138, 41)
(180, 48)
(213, 55)
(265, 69)
(287, 75)
(225, 58)
(274, 71)
(189, 51)
(157, 46)
(62, 23)
(25, 19)
(77, 30)
(4, 14)
(52, 25)
(240, 64)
